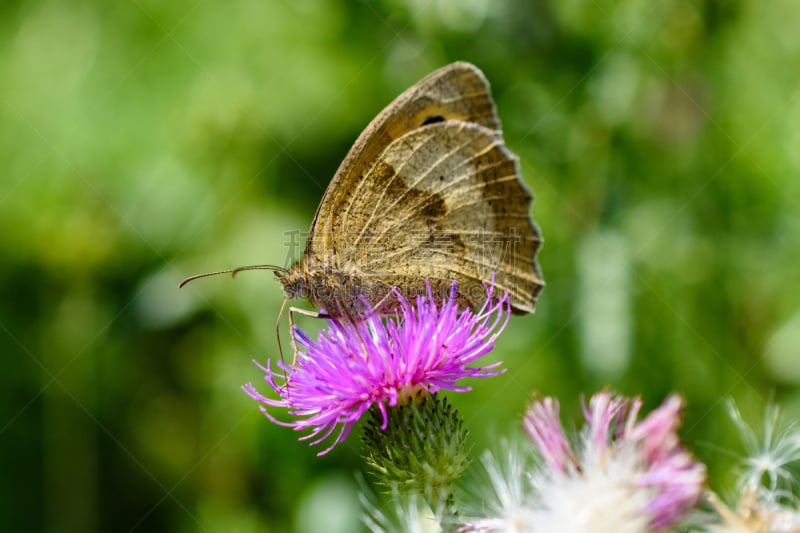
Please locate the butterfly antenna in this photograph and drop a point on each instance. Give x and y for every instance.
(232, 272)
(258, 267)
(204, 275)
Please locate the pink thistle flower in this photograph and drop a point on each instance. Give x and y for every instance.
(624, 476)
(642, 461)
(382, 362)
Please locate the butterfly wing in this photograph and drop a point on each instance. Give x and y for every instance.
(430, 191)
(458, 91)
(444, 202)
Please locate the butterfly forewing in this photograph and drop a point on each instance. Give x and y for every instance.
(458, 91)
(428, 192)
(446, 203)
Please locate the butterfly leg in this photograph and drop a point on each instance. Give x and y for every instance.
(354, 320)
(376, 309)
(278, 329)
(292, 310)
(304, 312)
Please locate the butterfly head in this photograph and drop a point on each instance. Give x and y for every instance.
(294, 281)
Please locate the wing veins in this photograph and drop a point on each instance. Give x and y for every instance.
(428, 201)
(398, 173)
(462, 259)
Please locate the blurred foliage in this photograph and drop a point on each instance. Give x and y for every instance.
(144, 141)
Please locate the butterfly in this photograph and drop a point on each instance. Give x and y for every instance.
(429, 191)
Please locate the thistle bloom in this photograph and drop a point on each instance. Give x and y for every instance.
(624, 475)
(379, 362)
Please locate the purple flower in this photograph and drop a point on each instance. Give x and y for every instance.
(624, 475)
(382, 362)
(654, 476)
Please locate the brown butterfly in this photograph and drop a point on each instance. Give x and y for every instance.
(427, 192)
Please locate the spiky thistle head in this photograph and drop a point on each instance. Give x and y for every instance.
(424, 347)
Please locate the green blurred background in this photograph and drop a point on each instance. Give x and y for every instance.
(145, 141)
